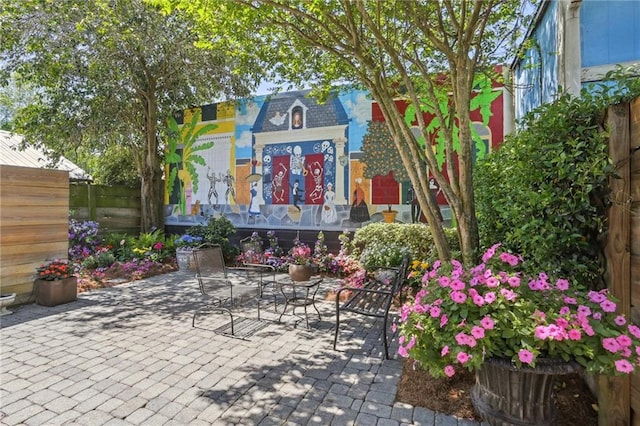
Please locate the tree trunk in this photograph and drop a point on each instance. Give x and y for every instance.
(151, 183)
(416, 169)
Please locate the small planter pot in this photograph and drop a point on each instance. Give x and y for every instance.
(389, 216)
(507, 395)
(300, 272)
(57, 292)
(185, 259)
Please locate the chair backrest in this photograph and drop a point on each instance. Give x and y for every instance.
(401, 276)
(211, 271)
(251, 250)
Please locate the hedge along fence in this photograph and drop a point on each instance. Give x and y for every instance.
(115, 208)
(34, 225)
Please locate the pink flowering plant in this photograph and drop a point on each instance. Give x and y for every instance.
(300, 254)
(460, 317)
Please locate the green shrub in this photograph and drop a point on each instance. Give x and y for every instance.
(217, 231)
(102, 259)
(383, 254)
(544, 193)
(415, 238)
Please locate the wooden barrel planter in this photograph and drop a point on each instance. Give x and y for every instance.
(506, 395)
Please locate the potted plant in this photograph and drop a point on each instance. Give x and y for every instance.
(184, 251)
(55, 283)
(301, 265)
(514, 328)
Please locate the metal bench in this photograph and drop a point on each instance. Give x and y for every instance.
(374, 298)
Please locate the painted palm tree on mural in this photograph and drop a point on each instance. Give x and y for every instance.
(185, 138)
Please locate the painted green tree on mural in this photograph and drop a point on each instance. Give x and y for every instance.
(182, 165)
(380, 153)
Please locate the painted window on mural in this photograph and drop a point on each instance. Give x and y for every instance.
(297, 118)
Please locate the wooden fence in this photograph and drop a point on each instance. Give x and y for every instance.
(34, 225)
(619, 397)
(115, 208)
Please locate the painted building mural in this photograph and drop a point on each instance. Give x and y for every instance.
(288, 161)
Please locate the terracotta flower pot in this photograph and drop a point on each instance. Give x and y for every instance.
(56, 292)
(300, 272)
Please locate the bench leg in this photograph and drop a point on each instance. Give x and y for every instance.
(384, 335)
(335, 337)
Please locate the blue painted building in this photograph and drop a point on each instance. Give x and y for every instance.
(574, 43)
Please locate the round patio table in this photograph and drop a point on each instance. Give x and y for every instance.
(299, 294)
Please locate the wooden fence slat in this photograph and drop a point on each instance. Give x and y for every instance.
(614, 393)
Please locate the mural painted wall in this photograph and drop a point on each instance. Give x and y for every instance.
(287, 161)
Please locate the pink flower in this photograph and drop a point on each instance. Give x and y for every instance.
(508, 294)
(457, 285)
(490, 297)
(449, 371)
(402, 351)
(584, 310)
(596, 297)
(444, 281)
(565, 310)
(525, 356)
(509, 258)
(541, 332)
(610, 344)
(635, 330)
(443, 320)
(462, 338)
(574, 334)
(514, 281)
(624, 341)
(477, 332)
(624, 366)
(463, 357)
(158, 246)
(458, 296)
(492, 282)
(562, 285)
(412, 342)
(608, 306)
(444, 351)
(487, 323)
(478, 300)
(620, 320)
(434, 312)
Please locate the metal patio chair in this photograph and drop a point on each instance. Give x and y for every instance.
(226, 288)
(253, 256)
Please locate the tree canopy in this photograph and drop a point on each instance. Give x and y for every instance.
(108, 74)
(426, 53)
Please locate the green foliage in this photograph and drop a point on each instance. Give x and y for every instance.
(544, 193)
(217, 231)
(107, 73)
(380, 254)
(415, 238)
(102, 259)
(185, 138)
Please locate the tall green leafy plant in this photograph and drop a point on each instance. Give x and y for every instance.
(545, 193)
(183, 165)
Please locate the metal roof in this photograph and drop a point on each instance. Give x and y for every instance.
(11, 155)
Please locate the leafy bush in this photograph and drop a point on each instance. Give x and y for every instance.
(544, 193)
(100, 259)
(83, 238)
(217, 231)
(383, 254)
(416, 238)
